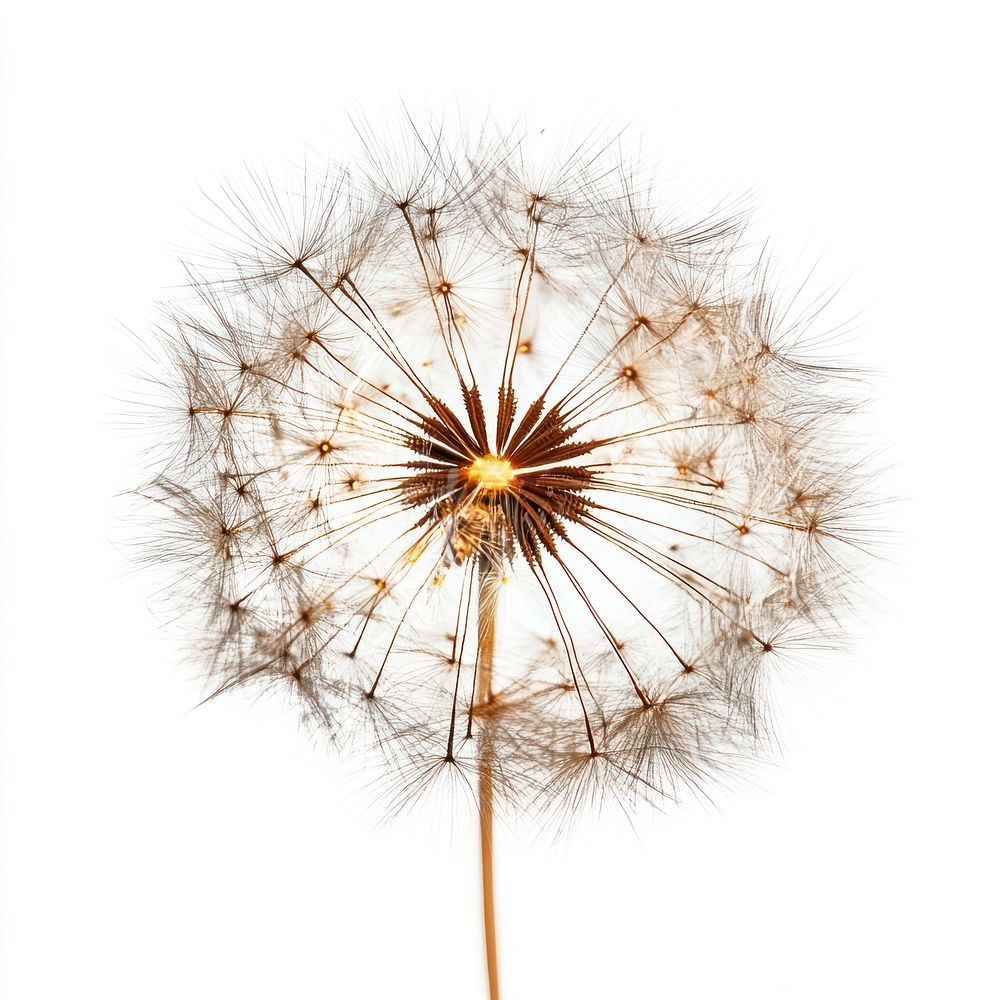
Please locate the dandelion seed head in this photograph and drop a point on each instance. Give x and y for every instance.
(490, 464)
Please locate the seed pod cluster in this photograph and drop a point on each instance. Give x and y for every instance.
(497, 466)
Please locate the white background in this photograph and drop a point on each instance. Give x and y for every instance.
(154, 852)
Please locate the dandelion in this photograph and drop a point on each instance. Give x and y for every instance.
(498, 469)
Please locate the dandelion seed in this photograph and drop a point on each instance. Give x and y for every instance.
(448, 393)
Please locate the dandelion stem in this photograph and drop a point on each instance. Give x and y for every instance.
(488, 586)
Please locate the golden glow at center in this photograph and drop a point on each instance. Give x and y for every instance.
(490, 472)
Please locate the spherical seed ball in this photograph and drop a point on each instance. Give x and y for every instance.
(498, 475)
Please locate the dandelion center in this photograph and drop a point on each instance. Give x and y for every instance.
(491, 472)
